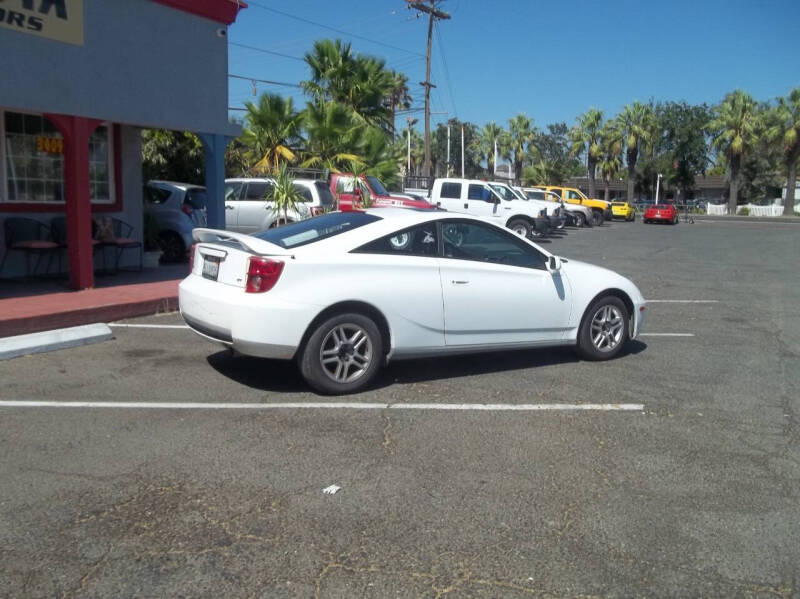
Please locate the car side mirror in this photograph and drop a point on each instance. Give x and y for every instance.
(554, 264)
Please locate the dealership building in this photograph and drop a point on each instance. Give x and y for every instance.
(81, 78)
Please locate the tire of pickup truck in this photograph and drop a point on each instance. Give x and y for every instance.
(520, 226)
(580, 220)
(597, 218)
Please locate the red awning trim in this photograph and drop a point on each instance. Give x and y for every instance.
(222, 11)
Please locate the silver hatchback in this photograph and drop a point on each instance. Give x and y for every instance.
(178, 208)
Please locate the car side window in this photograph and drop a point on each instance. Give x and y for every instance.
(573, 195)
(451, 190)
(421, 240)
(156, 195)
(478, 242)
(475, 192)
(258, 191)
(233, 191)
(344, 185)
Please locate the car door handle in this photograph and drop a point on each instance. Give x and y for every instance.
(460, 282)
(466, 205)
(506, 208)
(228, 207)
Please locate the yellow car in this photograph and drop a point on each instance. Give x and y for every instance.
(623, 210)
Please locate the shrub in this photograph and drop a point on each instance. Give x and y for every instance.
(743, 211)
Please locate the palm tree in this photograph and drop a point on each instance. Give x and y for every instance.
(272, 132)
(487, 137)
(398, 98)
(331, 63)
(610, 160)
(634, 124)
(520, 135)
(332, 135)
(585, 137)
(284, 194)
(787, 128)
(734, 131)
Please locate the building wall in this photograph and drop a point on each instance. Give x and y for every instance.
(141, 63)
(131, 212)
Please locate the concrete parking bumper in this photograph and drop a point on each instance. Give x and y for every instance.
(37, 343)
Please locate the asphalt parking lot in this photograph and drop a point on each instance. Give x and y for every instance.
(693, 492)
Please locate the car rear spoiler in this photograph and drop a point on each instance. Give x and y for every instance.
(248, 242)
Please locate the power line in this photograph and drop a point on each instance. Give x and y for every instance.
(265, 51)
(264, 81)
(446, 70)
(341, 31)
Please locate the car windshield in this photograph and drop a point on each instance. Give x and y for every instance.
(377, 187)
(504, 192)
(316, 229)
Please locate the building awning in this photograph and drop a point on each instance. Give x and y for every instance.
(222, 11)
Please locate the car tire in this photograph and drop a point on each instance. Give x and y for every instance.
(604, 329)
(343, 354)
(172, 247)
(597, 218)
(580, 220)
(521, 227)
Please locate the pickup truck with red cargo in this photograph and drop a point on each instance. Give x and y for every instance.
(350, 196)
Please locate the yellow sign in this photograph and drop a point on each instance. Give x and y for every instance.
(50, 145)
(60, 20)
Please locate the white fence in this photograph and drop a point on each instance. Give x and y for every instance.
(753, 209)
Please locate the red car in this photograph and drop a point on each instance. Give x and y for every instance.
(663, 213)
(349, 195)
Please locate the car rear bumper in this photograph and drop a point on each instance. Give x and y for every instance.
(254, 324)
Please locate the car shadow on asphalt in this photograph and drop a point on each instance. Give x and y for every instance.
(283, 375)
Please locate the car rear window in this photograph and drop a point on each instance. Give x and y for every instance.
(325, 196)
(196, 198)
(661, 206)
(618, 203)
(315, 229)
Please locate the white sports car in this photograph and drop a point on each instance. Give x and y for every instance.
(345, 292)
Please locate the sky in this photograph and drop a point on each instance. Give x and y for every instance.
(550, 60)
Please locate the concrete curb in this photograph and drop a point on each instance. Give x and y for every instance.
(37, 343)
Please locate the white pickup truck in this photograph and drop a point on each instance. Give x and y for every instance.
(476, 197)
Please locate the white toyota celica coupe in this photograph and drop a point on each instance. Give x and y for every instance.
(345, 292)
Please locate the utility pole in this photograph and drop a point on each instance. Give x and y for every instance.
(448, 151)
(433, 13)
(462, 151)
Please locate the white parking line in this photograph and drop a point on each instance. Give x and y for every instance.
(465, 407)
(666, 334)
(149, 326)
(681, 301)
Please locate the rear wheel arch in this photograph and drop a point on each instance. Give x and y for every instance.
(346, 307)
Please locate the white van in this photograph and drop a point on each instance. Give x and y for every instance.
(472, 196)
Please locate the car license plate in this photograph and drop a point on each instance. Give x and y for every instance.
(658, 214)
(210, 267)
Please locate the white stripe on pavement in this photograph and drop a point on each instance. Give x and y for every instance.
(149, 326)
(666, 334)
(680, 301)
(476, 407)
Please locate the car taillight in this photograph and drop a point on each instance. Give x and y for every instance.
(187, 210)
(317, 210)
(262, 274)
(191, 257)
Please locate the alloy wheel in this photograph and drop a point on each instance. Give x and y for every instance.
(607, 328)
(346, 353)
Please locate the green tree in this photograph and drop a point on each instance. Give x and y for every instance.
(552, 163)
(490, 134)
(734, 130)
(585, 137)
(173, 156)
(399, 97)
(635, 124)
(284, 193)
(610, 159)
(332, 133)
(786, 129)
(272, 132)
(515, 143)
(684, 142)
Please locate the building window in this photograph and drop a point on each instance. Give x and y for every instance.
(32, 161)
